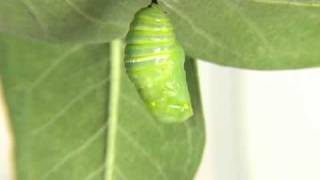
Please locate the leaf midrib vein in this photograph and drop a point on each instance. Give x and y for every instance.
(115, 77)
(289, 3)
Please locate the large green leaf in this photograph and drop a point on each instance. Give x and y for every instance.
(73, 121)
(258, 34)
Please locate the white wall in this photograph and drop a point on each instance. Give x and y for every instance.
(222, 98)
(261, 125)
(5, 143)
(282, 124)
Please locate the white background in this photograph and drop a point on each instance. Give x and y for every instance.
(5, 143)
(260, 125)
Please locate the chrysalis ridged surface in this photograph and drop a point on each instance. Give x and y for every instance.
(155, 64)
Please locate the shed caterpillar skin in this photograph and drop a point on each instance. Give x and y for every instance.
(154, 62)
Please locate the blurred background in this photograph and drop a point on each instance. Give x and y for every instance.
(6, 158)
(260, 125)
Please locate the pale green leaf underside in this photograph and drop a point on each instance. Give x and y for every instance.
(58, 101)
(257, 34)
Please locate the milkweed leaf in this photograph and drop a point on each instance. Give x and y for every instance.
(59, 97)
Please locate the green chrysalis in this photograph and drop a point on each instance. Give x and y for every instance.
(154, 62)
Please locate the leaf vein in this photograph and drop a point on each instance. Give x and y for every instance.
(55, 64)
(35, 15)
(96, 172)
(88, 16)
(74, 153)
(135, 105)
(202, 33)
(314, 4)
(251, 25)
(68, 106)
(121, 174)
(144, 152)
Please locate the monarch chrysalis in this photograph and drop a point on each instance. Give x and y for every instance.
(154, 62)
